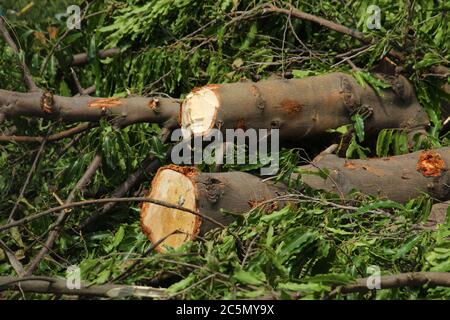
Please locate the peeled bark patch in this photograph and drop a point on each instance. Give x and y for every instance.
(104, 103)
(431, 164)
(200, 110)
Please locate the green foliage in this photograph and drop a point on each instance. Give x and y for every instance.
(171, 47)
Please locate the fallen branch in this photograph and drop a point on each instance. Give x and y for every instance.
(123, 111)
(328, 24)
(54, 137)
(302, 108)
(410, 279)
(59, 286)
(321, 21)
(210, 193)
(33, 217)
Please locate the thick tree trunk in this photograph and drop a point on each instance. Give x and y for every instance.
(212, 194)
(302, 108)
(126, 111)
(398, 178)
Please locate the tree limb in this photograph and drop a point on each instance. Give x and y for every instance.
(83, 58)
(328, 24)
(63, 215)
(54, 137)
(409, 279)
(104, 200)
(149, 164)
(59, 286)
(124, 111)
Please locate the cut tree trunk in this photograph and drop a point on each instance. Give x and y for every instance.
(302, 108)
(211, 194)
(398, 178)
(125, 111)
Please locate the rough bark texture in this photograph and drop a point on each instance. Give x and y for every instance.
(398, 178)
(306, 107)
(213, 195)
(410, 279)
(126, 111)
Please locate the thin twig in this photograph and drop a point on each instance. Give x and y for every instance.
(63, 215)
(148, 165)
(28, 79)
(106, 200)
(54, 137)
(30, 174)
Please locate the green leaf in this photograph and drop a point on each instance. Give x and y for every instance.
(183, 284)
(407, 247)
(277, 215)
(248, 277)
(385, 204)
(359, 126)
(303, 287)
(118, 237)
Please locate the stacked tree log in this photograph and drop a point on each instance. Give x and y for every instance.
(398, 178)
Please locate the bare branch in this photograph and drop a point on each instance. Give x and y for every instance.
(105, 200)
(54, 137)
(83, 58)
(410, 279)
(63, 215)
(124, 111)
(59, 286)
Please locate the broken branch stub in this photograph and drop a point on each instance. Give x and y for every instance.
(398, 178)
(211, 194)
(302, 108)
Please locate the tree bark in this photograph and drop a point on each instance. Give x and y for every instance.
(212, 194)
(409, 279)
(49, 285)
(398, 178)
(302, 108)
(438, 214)
(83, 58)
(124, 111)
